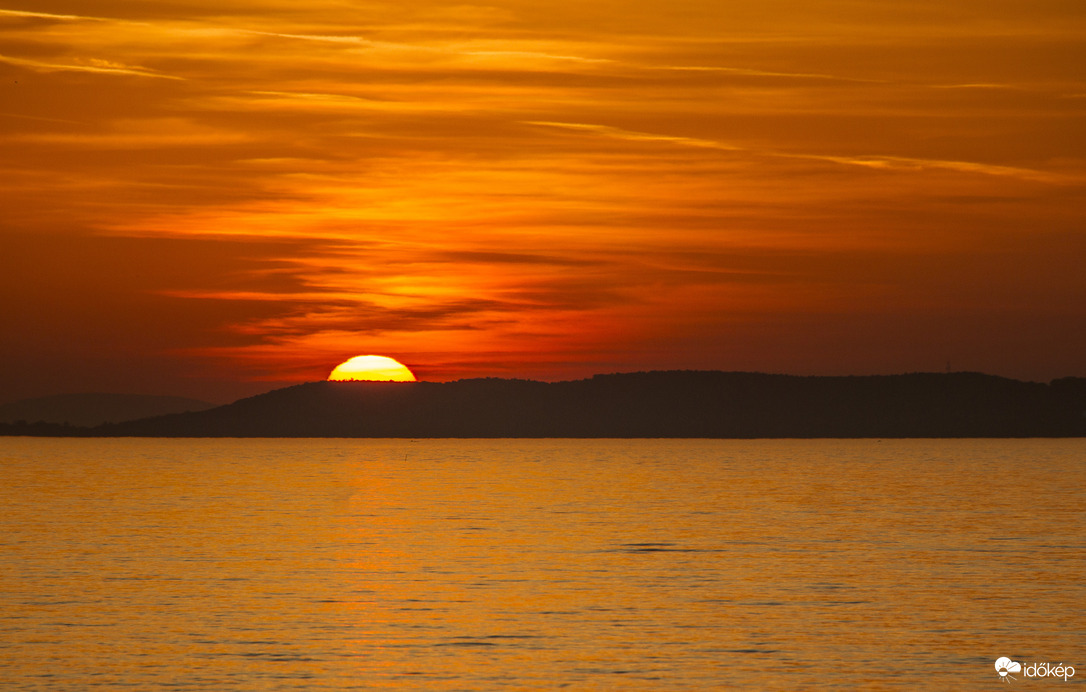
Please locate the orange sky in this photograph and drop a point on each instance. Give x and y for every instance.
(216, 198)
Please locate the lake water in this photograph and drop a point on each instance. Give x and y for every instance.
(539, 564)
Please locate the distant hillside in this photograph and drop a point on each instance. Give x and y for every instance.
(94, 409)
(652, 404)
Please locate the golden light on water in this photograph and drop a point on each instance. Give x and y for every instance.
(372, 369)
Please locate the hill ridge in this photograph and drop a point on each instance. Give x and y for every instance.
(95, 408)
(676, 403)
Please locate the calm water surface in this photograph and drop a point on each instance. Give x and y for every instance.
(539, 564)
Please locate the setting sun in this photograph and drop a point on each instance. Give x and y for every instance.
(372, 369)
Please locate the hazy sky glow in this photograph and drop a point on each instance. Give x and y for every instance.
(213, 198)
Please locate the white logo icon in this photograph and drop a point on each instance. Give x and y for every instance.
(1005, 666)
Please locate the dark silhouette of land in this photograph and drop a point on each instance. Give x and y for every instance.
(650, 404)
(95, 409)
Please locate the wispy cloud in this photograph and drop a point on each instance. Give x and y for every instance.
(907, 163)
(349, 40)
(750, 72)
(866, 161)
(630, 135)
(446, 48)
(47, 15)
(95, 65)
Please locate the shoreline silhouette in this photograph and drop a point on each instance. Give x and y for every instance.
(657, 404)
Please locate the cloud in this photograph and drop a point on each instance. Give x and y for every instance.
(47, 15)
(448, 49)
(619, 133)
(351, 40)
(908, 163)
(899, 163)
(750, 72)
(95, 65)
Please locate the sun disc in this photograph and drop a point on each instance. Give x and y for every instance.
(371, 369)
